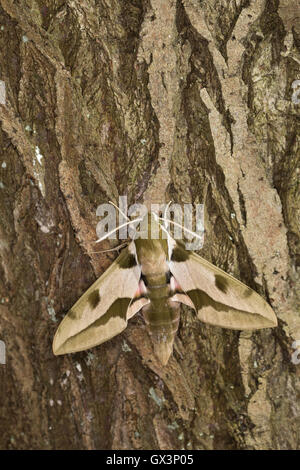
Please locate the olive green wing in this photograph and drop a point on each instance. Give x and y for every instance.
(218, 298)
(103, 310)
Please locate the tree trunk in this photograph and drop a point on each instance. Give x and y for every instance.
(189, 101)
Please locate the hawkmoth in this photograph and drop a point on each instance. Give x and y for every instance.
(155, 276)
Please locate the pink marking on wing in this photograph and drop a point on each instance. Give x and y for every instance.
(175, 286)
(141, 290)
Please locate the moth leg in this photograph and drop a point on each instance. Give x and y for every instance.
(117, 248)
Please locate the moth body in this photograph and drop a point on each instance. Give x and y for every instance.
(161, 314)
(154, 276)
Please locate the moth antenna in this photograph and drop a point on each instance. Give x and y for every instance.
(118, 208)
(161, 226)
(166, 225)
(111, 249)
(142, 218)
(121, 212)
(165, 230)
(169, 238)
(165, 212)
(184, 229)
(169, 241)
(116, 229)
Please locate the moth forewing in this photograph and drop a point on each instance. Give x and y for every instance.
(218, 298)
(103, 310)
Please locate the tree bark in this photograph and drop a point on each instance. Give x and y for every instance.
(188, 100)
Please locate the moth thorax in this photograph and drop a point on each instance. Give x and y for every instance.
(154, 269)
(156, 279)
(152, 256)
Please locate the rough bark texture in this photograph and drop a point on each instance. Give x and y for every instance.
(189, 100)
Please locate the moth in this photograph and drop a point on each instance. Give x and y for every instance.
(155, 276)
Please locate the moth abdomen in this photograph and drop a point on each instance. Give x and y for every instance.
(162, 319)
